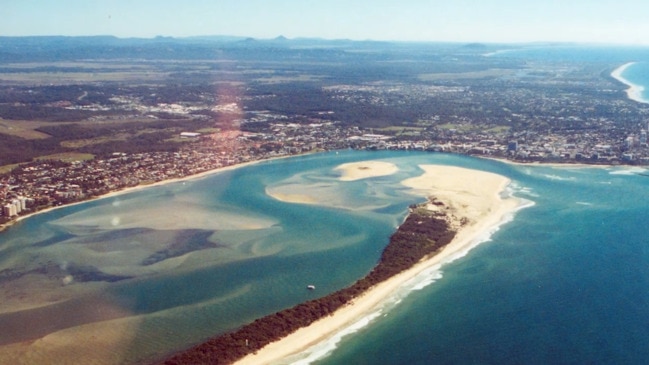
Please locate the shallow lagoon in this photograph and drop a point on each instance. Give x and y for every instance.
(135, 275)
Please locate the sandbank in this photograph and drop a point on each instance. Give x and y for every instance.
(567, 165)
(634, 92)
(317, 194)
(469, 193)
(365, 169)
(292, 198)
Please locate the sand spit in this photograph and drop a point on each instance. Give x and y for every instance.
(472, 194)
(634, 92)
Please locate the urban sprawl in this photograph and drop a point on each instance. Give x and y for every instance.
(43, 184)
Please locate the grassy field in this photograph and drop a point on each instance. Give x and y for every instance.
(208, 130)
(67, 73)
(401, 130)
(67, 157)
(80, 143)
(499, 129)
(282, 79)
(494, 72)
(23, 128)
(66, 78)
(63, 73)
(465, 127)
(108, 66)
(7, 168)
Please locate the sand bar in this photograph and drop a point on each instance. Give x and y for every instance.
(365, 169)
(470, 193)
(318, 194)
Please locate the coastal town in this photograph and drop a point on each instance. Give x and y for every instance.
(34, 186)
(210, 186)
(118, 135)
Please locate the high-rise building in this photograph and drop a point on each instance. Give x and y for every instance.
(17, 205)
(9, 210)
(512, 146)
(23, 202)
(643, 137)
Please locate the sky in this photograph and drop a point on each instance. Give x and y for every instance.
(499, 21)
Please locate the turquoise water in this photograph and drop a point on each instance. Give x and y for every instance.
(573, 53)
(111, 261)
(638, 74)
(565, 282)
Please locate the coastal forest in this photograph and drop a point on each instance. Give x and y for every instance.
(423, 233)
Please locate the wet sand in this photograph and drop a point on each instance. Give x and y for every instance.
(365, 169)
(634, 92)
(316, 195)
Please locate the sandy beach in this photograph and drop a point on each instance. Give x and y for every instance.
(469, 193)
(472, 194)
(301, 194)
(634, 92)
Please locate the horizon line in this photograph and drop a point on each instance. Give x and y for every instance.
(306, 38)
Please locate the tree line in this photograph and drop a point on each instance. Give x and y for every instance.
(422, 233)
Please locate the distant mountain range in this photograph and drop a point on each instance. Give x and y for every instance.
(62, 48)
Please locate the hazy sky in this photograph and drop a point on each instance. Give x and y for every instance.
(608, 21)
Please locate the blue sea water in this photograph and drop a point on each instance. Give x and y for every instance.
(575, 53)
(566, 281)
(638, 74)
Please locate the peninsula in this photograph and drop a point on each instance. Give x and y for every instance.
(466, 203)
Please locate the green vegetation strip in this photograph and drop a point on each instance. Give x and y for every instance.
(67, 157)
(7, 168)
(422, 233)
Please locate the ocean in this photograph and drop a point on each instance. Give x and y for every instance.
(637, 74)
(564, 281)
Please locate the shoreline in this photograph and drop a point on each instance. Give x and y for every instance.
(131, 189)
(568, 165)
(446, 255)
(634, 92)
(287, 197)
(493, 212)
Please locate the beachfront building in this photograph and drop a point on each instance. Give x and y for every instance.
(512, 146)
(189, 135)
(9, 210)
(16, 206)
